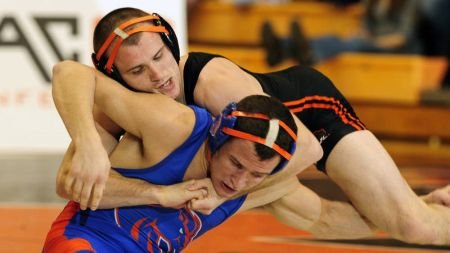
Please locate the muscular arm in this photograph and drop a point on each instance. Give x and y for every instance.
(73, 87)
(161, 124)
(297, 206)
(122, 191)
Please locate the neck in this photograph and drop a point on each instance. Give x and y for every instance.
(199, 167)
(181, 97)
(207, 160)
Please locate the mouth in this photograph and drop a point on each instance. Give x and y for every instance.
(167, 85)
(228, 189)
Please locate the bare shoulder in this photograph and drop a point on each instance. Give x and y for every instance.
(220, 82)
(220, 70)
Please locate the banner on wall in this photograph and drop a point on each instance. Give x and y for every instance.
(34, 35)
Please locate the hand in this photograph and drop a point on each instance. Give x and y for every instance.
(178, 195)
(87, 175)
(210, 202)
(439, 196)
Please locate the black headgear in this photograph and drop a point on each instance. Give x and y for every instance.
(161, 26)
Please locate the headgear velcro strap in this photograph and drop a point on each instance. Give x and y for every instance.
(121, 33)
(246, 136)
(272, 134)
(263, 116)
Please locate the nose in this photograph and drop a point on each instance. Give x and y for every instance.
(155, 73)
(239, 180)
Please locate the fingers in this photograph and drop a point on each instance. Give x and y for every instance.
(68, 183)
(88, 196)
(194, 185)
(84, 189)
(201, 205)
(76, 190)
(85, 196)
(96, 196)
(196, 190)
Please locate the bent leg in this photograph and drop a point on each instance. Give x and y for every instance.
(367, 174)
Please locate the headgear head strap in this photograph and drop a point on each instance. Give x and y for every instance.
(224, 127)
(106, 64)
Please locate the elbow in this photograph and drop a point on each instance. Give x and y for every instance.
(60, 72)
(63, 67)
(69, 69)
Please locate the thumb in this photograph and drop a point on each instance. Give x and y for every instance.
(192, 185)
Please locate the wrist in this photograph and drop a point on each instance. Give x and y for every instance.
(154, 194)
(87, 138)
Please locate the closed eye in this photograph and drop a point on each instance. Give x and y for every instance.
(258, 175)
(236, 163)
(158, 55)
(137, 70)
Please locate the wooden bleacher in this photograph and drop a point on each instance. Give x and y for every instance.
(385, 90)
(223, 23)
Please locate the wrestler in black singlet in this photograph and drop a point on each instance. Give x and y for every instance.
(308, 93)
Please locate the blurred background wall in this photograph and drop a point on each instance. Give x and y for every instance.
(34, 35)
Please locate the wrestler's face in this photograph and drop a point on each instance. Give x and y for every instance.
(149, 66)
(236, 167)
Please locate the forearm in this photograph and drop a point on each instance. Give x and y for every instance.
(73, 87)
(122, 191)
(273, 189)
(119, 191)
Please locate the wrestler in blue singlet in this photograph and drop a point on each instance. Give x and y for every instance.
(142, 228)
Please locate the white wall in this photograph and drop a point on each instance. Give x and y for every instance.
(32, 34)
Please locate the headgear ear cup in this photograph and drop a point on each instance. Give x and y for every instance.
(217, 136)
(169, 39)
(114, 74)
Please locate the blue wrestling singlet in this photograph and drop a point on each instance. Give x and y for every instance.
(142, 228)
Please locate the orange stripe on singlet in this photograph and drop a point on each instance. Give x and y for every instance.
(322, 102)
(57, 242)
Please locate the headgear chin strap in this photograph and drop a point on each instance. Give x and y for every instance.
(223, 127)
(106, 64)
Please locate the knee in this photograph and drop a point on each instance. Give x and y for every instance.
(415, 230)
